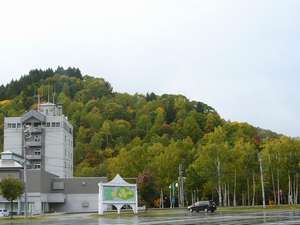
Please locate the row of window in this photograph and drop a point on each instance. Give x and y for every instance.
(44, 124)
(13, 125)
(48, 124)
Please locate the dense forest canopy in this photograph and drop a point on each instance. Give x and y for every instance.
(148, 136)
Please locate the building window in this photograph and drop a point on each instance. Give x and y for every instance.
(37, 152)
(13, 125)
(48, 124)
(57, 124)
(18, 125)
(37, 124)
(37, 138)
(37, 166)
(53, 124)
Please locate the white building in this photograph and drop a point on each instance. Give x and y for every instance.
(50, 148)
(50, 184)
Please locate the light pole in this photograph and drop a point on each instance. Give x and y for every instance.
(176, 186)
(170, 187)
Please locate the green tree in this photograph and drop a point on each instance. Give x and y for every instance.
(11, 189)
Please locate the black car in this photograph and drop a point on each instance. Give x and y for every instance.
(203, 206)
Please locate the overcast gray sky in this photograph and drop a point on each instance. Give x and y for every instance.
(239, 56)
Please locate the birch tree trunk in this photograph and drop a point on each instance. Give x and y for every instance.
(253, 186)
(278, 188)
(296, 190)
(262, 182)
(219, 181)
(228, 195)
(248, 193)
(290, 191)
(234, 189)
(273, 182)
(243, 199)
(225, 195)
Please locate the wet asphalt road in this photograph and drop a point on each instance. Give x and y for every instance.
(182, 217)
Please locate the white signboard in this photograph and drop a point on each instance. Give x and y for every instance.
(117, 192)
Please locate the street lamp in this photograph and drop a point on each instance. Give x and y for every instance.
(172, 187)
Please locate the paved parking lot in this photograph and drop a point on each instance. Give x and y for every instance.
(182, 217)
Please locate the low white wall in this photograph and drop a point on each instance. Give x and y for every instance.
(79, 203)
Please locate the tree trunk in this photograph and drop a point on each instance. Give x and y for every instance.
(243, 199)
(296, 189)
(225, 196)
(219, 181)
(234, 189)
(273, 182)
(228, 196)
(11, 209)
(290, 190)
(262, 182)
(248, 192)
(253, 186)
(278, 188)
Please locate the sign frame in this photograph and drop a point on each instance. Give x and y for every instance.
(117, 183)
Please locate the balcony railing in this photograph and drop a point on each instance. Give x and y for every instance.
(36, 130)
(35, 157)
(33, 143)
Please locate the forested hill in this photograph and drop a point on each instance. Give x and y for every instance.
(148, 136)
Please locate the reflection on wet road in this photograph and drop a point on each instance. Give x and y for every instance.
(182, 217)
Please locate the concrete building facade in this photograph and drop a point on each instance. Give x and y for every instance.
(50, 146)
(44, 138)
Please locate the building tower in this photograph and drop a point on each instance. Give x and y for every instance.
(50, 145)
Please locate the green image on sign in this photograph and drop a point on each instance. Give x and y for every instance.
(118, 194)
